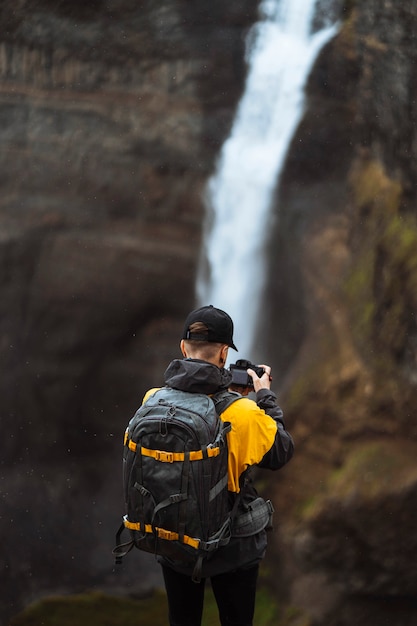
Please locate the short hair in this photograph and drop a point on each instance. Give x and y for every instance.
(200, 348)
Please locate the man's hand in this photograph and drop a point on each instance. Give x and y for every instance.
(264, 382)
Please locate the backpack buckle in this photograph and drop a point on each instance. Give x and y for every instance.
(166, 534)
(165, 457)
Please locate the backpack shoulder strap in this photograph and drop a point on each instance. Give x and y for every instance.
(223, 399)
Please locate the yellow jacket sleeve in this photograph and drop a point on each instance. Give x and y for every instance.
(149, 393)
(252, 435)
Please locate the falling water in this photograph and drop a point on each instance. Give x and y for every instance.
(281, 51)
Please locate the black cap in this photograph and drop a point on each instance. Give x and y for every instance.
(218, 322)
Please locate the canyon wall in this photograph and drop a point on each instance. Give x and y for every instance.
(344, 272)
(112, 114)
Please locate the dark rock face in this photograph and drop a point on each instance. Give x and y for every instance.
(347, 199)
(112, 114)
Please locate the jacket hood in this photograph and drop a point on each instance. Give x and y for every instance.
(196, 376)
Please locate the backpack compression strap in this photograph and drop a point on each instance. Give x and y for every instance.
(171, 457)
(161, 533)
(122, 549)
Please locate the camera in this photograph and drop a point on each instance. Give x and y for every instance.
(240, 377)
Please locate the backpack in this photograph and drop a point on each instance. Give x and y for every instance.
(175, 478)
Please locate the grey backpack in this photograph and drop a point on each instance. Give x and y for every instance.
(175, 478)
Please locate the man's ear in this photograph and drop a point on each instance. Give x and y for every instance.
(223, 354)
(182, 348)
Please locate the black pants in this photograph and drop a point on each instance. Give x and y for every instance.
(234, 592)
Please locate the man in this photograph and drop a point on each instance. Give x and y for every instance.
(257, 437)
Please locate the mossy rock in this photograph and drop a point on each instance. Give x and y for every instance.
(382, 283)
(94, 609)
(371, 472)
(99, 609)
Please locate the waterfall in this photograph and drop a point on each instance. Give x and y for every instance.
(281, 49)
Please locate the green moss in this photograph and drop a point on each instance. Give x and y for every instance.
(370, 472)
(294, 615)
(93, 609)
(307, 506)
(359, 290)
(375, 468)
(98, 609)
(382, 282)
(373, 187)
(379, 289)
(365, 467)
(400, 238)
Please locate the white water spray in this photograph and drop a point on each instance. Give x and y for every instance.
(281, 51)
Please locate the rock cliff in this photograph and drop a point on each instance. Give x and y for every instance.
(348, 355)
(112, 114)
